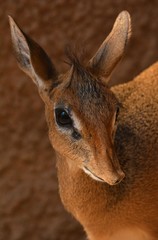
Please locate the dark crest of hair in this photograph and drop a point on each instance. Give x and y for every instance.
(82, 80)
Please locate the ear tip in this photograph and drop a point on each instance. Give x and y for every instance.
(125, 18)
(124, 14)
(11, 21)
(14, 27)
(128, 17)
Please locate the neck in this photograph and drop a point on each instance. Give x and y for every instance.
(88, 200)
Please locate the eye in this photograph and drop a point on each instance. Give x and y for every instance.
(62, 118)
(117, 113)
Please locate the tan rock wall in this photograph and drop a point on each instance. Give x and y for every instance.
(30, 207)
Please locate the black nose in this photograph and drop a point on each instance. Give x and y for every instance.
(118, 180)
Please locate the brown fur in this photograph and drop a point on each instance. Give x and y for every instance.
(127, 210)
(133, 202)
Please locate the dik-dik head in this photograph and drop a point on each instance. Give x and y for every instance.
(81, 110)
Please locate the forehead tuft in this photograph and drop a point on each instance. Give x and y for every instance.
(82, 82)
(87, 88)
(86, 93)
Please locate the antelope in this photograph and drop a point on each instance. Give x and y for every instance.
(105, 139)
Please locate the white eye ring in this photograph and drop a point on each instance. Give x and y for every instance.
(76, 121)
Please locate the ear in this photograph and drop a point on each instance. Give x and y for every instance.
(32, 59)
(112, 49)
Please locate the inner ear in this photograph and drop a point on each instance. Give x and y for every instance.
(112, 49)
(32, 59)
(40, 61)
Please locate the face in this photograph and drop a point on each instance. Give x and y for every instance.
(81, 111)
(82, 118)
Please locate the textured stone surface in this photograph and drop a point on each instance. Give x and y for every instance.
(30, 206)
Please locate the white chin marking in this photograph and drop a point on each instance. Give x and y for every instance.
(92, 175)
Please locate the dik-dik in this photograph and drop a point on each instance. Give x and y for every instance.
(106, 139)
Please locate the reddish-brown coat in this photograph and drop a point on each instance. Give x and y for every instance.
(128, 209)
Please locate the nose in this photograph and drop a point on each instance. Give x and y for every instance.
(119, 178)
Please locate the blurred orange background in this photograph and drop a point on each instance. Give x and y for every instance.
(30, 207)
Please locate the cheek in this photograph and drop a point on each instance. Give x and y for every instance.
(73, 151)
(59, 142)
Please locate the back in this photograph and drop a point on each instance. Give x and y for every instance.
(139, 112)
(137, 144)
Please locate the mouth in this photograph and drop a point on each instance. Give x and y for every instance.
(92, 175)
